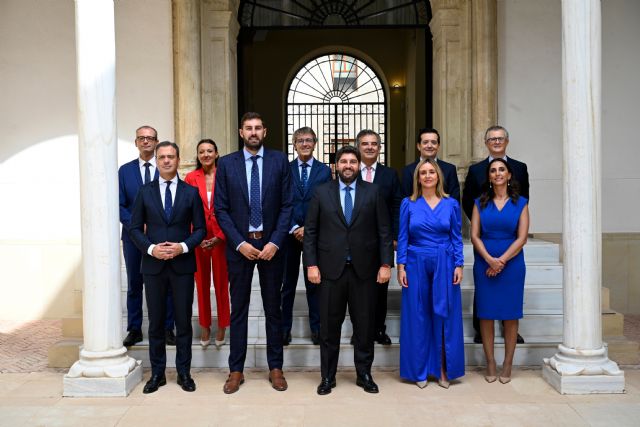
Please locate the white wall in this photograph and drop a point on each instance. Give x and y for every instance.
(530, 103)
(40, 216)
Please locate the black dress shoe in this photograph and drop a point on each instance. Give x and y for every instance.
(383, 338)
(366, 382)
(155, 382)
(477, 338)
(520, 340)
(315, 337)
(133, 337)
(286, 338)
(326, 385)
(169, 337)
(186, 382)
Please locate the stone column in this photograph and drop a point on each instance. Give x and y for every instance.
(484, 59)
(581, 365)
(220, 73)
(104, 368)
(187, 78)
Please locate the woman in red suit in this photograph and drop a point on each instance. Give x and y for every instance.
(210, 255)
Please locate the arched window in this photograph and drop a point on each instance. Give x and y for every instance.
(336, 95)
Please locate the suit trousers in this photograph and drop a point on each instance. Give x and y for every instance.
(216, 260)
(156, 288)
(334, 296)
(241, 276)
(132, 260)
(289, 284)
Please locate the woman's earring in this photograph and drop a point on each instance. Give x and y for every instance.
(490, 186)
(509, 183)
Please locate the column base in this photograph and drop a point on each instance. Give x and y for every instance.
(104, 386)
(583, 384)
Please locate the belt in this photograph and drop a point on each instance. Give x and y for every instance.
(255, 235)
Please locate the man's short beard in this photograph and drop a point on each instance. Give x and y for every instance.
(261, 141)
(347, 180)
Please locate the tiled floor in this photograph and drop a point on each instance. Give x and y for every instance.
(24, 345)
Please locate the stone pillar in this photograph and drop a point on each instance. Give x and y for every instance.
(484, 94)
(581, 365)
(187, 78)
(104, 368)
(220, 30)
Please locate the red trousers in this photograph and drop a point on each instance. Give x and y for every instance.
(206, 259)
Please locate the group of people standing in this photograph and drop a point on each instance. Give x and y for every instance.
(255, 208)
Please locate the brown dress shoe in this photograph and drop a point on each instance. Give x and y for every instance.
(233, 383)
(276, 378)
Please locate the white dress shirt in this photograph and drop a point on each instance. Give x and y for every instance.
(152, 168)
(174, 190)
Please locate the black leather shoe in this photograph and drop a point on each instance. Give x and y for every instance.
(383, 338)
(155, 382)
(520, 340)
(286, 338)
(477, 338)
(366, 382)
(315, 337)
(326, 385)
(169, 337)
(186, 382)
(133, 337)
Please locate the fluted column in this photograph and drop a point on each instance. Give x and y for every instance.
(104, 368)
(581, 365)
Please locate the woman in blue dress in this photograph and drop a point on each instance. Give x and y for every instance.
(430, 262)
(499, 228)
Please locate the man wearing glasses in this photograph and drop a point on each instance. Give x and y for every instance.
(132, 176)
(496, 139)
(307, 173)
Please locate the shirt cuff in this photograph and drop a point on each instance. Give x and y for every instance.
(150, 250)
(277, 247)
(294, 228)
(185, 248)
(241, 243)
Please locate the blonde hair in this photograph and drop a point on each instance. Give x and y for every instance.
(417, 187)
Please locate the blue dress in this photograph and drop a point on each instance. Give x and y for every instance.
(430, 246)
(500, 297)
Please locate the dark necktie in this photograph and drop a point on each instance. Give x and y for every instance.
(168, 201)
(304, 176)
(348, 204)
(256, 207)
(147, 174)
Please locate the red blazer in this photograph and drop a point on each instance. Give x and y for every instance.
(197, 179)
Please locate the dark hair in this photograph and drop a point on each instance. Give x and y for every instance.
(168, 144)
(513, 189)
(250, 116)
(427, 130)
(347, 149)
(206, 141)
(366, 132)
(494, 128)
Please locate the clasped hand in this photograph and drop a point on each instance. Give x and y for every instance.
(166, 250)
(496, 265)
(251, 253)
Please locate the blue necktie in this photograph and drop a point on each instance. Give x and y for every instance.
(348, 204)
(256, 207)
(304, 176)
(168, 201)
(147, 174)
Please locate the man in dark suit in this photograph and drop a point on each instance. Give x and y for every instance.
(167, 223)
(368, 144)
(496, 139)
(348, 248)
(253, 206)
(428, 145)
(307, 173)
(131, 176)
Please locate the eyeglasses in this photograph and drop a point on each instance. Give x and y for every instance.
(305, 141)
(496, 139)
(146, 138)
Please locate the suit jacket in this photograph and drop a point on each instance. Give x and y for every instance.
(451, 182)
(319, 174)
(232, 198)
(186, 224)
(476, 177)
(197, 179)
(389, 186)
(130, 181)
(328, 239)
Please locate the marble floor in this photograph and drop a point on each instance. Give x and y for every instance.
(29, 399)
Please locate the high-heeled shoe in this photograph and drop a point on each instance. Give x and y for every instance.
(491, 378)
(443, 383)
(205, 343)
(219, 343)
(504, 380)
(421, 384)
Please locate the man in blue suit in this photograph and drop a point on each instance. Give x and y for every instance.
(307, 173)
(131, 177)
(167, 223)
(428, 145)
(368, 143)
(253, 206)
